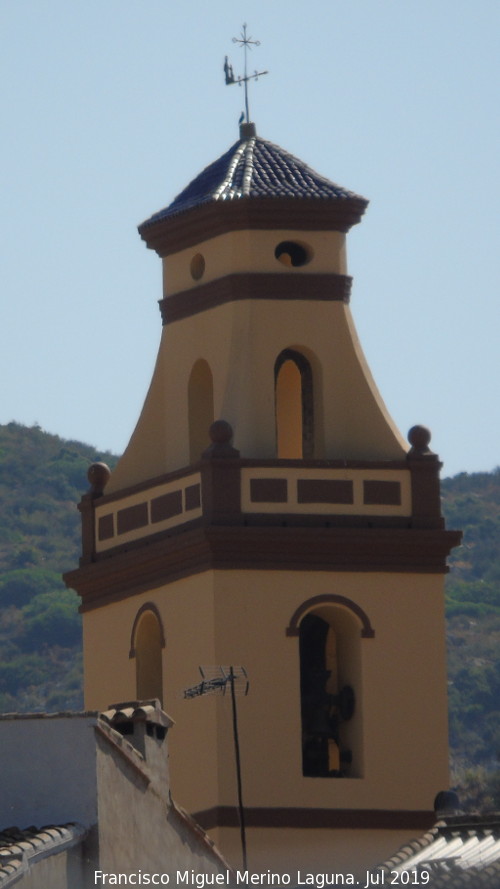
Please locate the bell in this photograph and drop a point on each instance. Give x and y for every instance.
(345, 701)
(322, 725)
(346, 757)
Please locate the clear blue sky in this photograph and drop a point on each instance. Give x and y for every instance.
(110, 107)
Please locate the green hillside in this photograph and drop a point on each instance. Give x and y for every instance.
(472, 503)
(42, 478)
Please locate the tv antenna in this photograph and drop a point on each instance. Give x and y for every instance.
(216, 680)
(246, 43)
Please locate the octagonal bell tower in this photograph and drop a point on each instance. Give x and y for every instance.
(267, 513)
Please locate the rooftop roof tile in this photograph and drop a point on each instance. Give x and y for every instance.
(460, 851)
(19, 847)
(253, 168)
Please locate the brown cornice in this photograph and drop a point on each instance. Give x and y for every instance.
(154, 562)
(214, 218)
(255, 285)
(317, 819)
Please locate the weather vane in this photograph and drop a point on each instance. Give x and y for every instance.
(246, 43)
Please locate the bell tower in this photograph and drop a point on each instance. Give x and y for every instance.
(267, 513)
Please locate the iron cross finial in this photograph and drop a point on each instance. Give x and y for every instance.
(247, 43)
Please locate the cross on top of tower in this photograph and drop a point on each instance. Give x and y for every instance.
(246, 42)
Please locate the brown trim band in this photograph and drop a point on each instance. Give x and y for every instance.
(150, 483)
(255, 285)
(218, 217)
(248, 463)
(317, 819)
(221, 547)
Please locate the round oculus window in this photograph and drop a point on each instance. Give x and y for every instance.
(197, 267)
(293, 253)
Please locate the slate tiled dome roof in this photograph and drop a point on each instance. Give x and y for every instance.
(254, 184)
(253, 168)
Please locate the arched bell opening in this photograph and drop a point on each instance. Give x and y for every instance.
(200, 408)
(330, 694)
(294, 406)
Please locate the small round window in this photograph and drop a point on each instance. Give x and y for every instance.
(197, 267)
(292, 253)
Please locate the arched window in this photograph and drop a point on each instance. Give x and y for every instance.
(330, 692)
(294, 406)
(147, 644)
(200, 407)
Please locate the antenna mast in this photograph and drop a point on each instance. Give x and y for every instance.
(216, 679)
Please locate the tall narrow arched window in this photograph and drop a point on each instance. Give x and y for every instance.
(294, 406)
(200, 408)
(330, 693)
(147, 646)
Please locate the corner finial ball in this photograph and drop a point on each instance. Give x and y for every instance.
(98, 475)
(419, 437)
(221, 432)
(221, 436)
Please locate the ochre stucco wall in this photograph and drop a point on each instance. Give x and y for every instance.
(240, 617)
(241, 342)
(312, 851)
(253, 251)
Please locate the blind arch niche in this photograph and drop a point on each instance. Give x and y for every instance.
(200, 408)
(148, 642)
